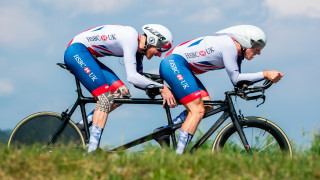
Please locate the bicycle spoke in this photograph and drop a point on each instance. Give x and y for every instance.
(262, 136)
(267, 146)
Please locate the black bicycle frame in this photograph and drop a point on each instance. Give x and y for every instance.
(225, 106)
(81, 101)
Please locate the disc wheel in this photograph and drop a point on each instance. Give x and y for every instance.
(39, 129)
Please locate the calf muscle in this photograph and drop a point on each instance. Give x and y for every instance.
(104, 102)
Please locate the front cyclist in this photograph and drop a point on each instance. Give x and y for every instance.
(225, 50)
(104, 85)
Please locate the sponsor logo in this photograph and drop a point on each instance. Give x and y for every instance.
(101, 38)
(184, 84)
(196, 94)
(200, 53)
(104, 37)
(79, 60)
(174, 67)
(112, 37)
(86, 69)
(93, 38)
(93, 77)
(209, 50)
(156, 33)
(179, 76)
(191, 55)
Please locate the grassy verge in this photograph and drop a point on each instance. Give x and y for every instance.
(153, 164)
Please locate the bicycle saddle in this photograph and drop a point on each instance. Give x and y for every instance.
(63, 66)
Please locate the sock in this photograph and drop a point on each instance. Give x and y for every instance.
(180, 118)
(95, 136)
(184, 140)
(89, 118)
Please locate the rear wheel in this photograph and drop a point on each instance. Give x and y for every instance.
(264, 137)
(39, 128)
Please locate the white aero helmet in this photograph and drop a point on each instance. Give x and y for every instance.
(248, 36)
(158, 36)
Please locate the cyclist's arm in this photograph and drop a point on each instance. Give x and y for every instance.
(130, 47)
(233, 69)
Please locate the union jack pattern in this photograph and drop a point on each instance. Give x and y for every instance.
(99, 50)
(202, 67)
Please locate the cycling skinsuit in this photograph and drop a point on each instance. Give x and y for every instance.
(107, 40)
(198, 56)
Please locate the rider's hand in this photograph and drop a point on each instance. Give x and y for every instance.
(168, 97)
(273, 75)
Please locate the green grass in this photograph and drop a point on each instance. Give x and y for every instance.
(154, 163)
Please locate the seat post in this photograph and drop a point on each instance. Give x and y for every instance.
(79, 91)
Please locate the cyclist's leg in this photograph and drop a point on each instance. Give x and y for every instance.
(89, 119)
(204, 94)
(121, 92)
(176, 72)
(117, 87)
(196, 111)
(195, 107)
(86, 69)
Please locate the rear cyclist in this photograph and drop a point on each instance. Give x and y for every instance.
(104, 85)
(226, 50)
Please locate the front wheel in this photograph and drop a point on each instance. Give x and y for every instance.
(264, 137)
(39, 128)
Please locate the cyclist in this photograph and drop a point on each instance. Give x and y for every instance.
(226, 50)
(104, 85)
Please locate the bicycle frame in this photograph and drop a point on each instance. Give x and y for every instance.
(226, 106)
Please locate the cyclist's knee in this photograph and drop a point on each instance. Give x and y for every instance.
(196, 108)
(104, 102)
(197, 112)
(208, 108)
(121, 92)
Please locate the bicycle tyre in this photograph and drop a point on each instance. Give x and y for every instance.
(39, 129)
(274, 139)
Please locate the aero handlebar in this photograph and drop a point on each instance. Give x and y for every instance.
(245, 90)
